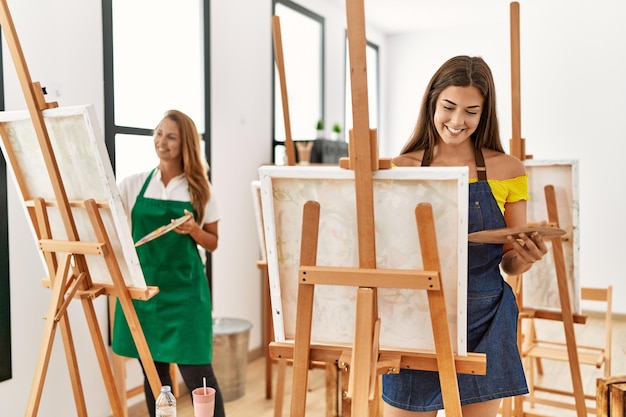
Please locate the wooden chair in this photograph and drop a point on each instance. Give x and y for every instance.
(535, 350)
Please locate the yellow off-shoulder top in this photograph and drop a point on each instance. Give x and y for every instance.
(506, 191)
(509, 190)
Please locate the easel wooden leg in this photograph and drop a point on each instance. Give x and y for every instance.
(72, 365)
(304, 313)
(56, 301)
(346, 402)
(566, 306)
(301, 350)
(144, 351)
(101, 353)
(268, 331)
(445, 356)
(359, 385)
(268, 376)
(437, 306)
(332, 393)
(378, 408)
(119, 373)
(515, 405)
(280, 388)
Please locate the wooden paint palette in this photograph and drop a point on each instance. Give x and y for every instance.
(160, 231)
(500, 235)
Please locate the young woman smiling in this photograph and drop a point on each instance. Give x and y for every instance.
(457, 126)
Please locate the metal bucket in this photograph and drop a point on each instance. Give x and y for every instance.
(230, 355)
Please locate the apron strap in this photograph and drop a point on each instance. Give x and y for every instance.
(481, 169)
(145, 184)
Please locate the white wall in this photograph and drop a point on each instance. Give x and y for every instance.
(572, 99)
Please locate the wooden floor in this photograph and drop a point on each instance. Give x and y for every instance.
(254, 403)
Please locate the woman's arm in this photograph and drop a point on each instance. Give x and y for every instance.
(205, 236)
(523, 250)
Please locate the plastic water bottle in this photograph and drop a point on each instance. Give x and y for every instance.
(166, 403)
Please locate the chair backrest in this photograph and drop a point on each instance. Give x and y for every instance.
(604, 295)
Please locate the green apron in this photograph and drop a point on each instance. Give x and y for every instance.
(176, 322)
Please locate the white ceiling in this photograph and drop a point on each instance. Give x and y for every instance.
(397, 16)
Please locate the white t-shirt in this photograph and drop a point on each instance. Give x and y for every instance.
(177, 189)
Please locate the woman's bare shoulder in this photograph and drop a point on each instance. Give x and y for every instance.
(410, 159)
(501, 166)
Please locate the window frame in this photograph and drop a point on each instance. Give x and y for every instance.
(6, 371)
(320, 19)
(111, 129)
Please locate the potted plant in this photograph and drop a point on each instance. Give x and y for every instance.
(336, 132)
(320, 129)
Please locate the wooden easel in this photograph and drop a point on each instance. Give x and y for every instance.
(331, 372)
(291, 160)
(69, 276)
(280, 65)
(566, 315)
(518, 149)
(365, 360)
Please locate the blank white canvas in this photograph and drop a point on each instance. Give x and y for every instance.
(405, 318)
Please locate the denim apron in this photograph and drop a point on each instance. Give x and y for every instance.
(491, 321)
(176, 322)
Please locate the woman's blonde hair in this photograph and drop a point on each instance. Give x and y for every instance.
(195, 166)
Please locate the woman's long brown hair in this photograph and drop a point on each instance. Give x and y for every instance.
(460, 71)
(193, 162)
